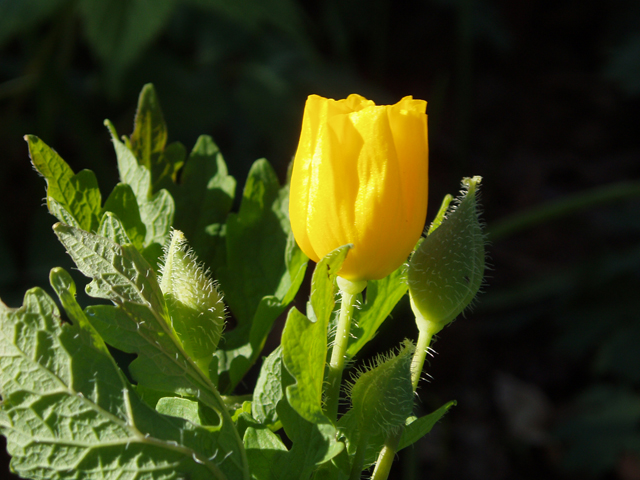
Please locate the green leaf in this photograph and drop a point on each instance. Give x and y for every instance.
(313, 444)
(157, 209)
(204, 198)
(268, 390)
(71, 197)
(65, 288)
(122, 201)
(119, 30)
(195, 412)
(139, 323)
(381, 297)
(416, 428)
(111, 228)
(69, 412)
(265, 452)
(149, 139)
(263, 272)
(61, 213)
(304, 342)
(256, 243)
(304, 347)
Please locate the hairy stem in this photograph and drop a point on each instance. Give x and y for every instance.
(386, 456)
(349, 290)
(417, 363)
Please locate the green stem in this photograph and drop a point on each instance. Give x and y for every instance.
(417, 363)
(349, 290)
(388, 452)
(386, 456)
(358, 459)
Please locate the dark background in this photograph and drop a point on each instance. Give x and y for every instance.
(541, 98)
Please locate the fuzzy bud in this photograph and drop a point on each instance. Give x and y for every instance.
(382, 397)
(195, 306)
(446, 271)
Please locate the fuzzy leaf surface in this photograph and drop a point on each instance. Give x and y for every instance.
(69, 412)
(139, 323)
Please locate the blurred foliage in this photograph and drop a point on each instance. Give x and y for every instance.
(540, 98)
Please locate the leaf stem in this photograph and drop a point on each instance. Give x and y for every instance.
(349, 290)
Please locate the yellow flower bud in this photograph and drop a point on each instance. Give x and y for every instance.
(360, 176)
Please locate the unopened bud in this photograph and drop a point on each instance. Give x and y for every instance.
(446, 271)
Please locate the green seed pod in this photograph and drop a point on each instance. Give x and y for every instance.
(195, 306)
(382, 396)
(446, 271)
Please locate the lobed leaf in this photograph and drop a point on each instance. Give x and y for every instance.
(139, 323)
(69, 412)
(156, 209)
(266, 453)
(313, 444)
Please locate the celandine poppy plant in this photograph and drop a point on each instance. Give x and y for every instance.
(360, 176)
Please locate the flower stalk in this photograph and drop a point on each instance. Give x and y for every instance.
(348, 291)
